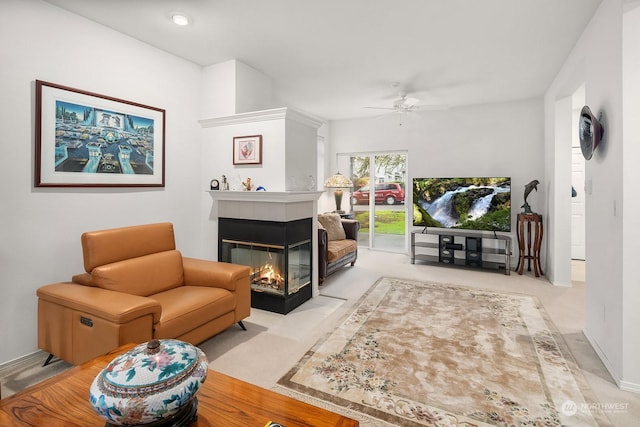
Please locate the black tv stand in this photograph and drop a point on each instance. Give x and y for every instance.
(462, 248)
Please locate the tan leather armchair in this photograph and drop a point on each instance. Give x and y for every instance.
(137, 287)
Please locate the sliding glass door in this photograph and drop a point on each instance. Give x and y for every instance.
(378, 198)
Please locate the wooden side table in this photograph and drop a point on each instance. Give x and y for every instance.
(526, 253)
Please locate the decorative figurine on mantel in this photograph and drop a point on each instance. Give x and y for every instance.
(533, 185)
(246, 185)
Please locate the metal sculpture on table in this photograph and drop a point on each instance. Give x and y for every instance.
(533, 185)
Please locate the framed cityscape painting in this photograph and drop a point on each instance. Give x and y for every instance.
(85, 139)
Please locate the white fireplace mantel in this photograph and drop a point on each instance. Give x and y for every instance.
(266, 205)
(266, 196)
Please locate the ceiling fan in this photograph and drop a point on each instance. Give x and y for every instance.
(403, 104)
(406, 104)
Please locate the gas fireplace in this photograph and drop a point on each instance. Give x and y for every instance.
(279, 255)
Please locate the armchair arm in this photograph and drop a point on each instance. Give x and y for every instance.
(323, 240)
(200, 272)
(116, 307)
(351, 227)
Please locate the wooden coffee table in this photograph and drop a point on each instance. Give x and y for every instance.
(63, 400)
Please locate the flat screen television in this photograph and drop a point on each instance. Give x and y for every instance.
(479, 203)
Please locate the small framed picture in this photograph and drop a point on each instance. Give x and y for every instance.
(247, 150)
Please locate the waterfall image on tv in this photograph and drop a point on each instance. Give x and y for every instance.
(466, 203)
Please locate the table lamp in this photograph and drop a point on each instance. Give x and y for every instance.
(338, 181)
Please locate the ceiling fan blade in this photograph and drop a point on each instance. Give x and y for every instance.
(405, 104)
(382, 116)
(410, 102)
(433, 107)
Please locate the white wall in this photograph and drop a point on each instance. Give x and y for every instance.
(558, 184)
(289, 157)
(301, 157)
(40, 227)
(234, 87)
(254, 90)
(485, 140)
(217, 155)
(218, 90)
(597, 61)
(631, 206)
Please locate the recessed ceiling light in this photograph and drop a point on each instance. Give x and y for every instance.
(180, 19)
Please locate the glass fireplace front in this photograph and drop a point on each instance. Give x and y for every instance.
(280, 270)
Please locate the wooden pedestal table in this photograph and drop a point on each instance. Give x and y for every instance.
(529, 253)
(63, 400)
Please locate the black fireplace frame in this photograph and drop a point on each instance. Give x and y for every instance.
(277, 233)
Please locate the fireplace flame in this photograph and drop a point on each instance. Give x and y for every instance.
(266, 275)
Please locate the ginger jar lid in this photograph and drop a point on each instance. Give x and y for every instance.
(149, 383)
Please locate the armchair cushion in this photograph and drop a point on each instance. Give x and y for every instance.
(333, 224)
(143, 276)
(336, 249)
(117, 244)
(187, 306)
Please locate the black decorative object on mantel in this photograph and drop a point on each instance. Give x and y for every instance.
(590, 132)
(533, 185)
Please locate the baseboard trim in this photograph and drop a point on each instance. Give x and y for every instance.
(27, 359)
(629, 386)
(603, 358)
(622, 385)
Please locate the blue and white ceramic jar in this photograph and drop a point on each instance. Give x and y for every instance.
(153, 382)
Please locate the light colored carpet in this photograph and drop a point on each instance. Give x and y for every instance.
(429, 354)
(27, 371)
(274, 343)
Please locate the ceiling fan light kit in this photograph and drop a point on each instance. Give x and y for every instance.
(405, 104)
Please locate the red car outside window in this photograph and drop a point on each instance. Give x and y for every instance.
(387, 192)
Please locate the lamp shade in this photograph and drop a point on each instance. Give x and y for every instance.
(338, 181)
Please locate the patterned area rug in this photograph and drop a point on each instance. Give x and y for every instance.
(429, 354)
